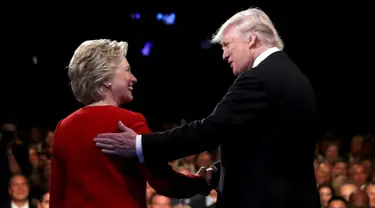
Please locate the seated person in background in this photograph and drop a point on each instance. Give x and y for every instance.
(19, 192)
(81, 175)
(359, 199)
(44, 200)
(337, 202)
(347, 189)
(159, 201)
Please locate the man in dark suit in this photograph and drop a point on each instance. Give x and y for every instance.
(19, 191)
(14, 157)
(270, 106)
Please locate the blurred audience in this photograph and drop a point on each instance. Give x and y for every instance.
(344, 179)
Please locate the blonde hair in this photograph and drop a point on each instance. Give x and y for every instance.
(93, 63)
(249, 22)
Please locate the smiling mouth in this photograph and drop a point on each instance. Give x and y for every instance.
(130, 88)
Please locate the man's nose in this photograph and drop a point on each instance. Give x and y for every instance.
(225, 55)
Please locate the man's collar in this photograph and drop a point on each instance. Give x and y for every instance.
(264, 55)
(13, 205)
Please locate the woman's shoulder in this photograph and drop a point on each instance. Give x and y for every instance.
(122, 112)
(99, 114)
(101, 110)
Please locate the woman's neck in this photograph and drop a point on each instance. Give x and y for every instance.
(104, 102)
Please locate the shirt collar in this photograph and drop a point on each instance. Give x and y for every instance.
(264, 55)
(13, 205)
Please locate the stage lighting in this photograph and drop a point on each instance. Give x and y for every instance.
(35, 60)
(168, 19)
(146, 49)
(135, 16)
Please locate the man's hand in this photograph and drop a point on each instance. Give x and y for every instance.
(207, 174)
(120, 144)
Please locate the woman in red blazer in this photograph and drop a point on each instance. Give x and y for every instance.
(81, 175)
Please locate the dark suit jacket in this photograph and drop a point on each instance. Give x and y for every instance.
(9, 205)
(266, 126)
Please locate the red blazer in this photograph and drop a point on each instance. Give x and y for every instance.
(82, 176)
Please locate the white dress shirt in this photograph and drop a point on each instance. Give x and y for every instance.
(257, 61)
(13, 205)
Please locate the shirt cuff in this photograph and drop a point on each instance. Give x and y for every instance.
(138, 147)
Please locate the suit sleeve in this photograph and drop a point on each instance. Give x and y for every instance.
(217, 166)
(242, 106)
(216, 175)
(163, 178)
(58, 174)
(170, 183)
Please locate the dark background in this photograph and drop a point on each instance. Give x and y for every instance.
(179, 79)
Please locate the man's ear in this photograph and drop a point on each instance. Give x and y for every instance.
(252, 40)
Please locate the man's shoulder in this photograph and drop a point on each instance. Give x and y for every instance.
(277, 61)
(277, 76)
(276, 68)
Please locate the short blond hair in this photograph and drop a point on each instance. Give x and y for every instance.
(92, 64)
(249, 22)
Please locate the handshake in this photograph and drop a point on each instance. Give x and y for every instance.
(210, 175)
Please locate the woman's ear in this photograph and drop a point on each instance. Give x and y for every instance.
(107, 84)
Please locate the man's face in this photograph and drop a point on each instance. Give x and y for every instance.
(359, 199)
(332, 152)
(237, 50)
(340, 168)
(346, 190)
(160, 201)
(18, 189)
(358, 174)
(325, 194)
(204, 159)
(337, 204)
(370, 189)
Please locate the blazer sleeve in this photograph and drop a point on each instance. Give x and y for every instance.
(216, 175)
(163, 178)
(242, 106)
(217, 165)
(58, 175)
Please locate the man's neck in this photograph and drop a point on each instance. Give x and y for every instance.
(372, 203)
(261, 53)
(260, 50)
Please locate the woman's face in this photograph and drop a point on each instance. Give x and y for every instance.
(121, 85)
(49, 137)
